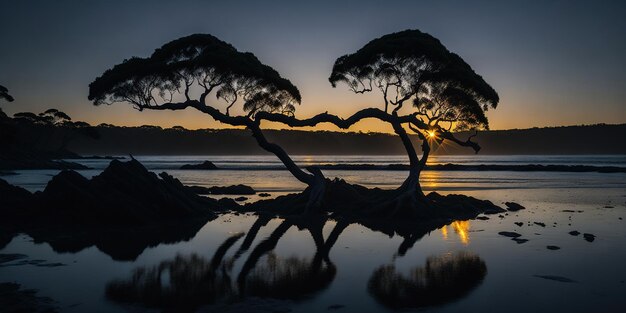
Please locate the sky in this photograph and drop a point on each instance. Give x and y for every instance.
(553, 63)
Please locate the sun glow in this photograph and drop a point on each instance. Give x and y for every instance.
(432, 134)
(461, 228)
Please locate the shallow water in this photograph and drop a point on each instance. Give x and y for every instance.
(581, 276)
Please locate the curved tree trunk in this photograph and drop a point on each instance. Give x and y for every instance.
(315, 180)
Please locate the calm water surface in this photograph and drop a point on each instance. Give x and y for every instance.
(353, 268)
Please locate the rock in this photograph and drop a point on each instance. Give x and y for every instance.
(229, 190)
(482, 218)
(239, 199)
(556, 278)
(589, 237)
(13, 199)
(265, 194)
(540, 224)
(206, 165)
(519, 224)
(125, 193)
(509, 234)
(512, 206)
(553, 247)
(519, 240)
(574, 233)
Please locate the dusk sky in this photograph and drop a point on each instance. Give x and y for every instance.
(552, 62)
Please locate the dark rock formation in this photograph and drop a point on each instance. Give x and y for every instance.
(540, 224)
(560, 279)
(206, 165)
(553, 247)
(574, 233)
(481, 167)
(589, 237)
(511, 234)
(512, 206)
(358, 203)
(264, 194)
(124, 193)
(121, 211)
(217, 190)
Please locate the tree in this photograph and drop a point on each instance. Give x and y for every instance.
(4, 94)
(412, 66)
(202, 65)
(57, 123)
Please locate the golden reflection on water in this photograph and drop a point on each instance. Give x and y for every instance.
(461, 228)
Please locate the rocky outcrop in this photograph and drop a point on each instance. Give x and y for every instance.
(228, 190)
(206, 165)
(125, 193)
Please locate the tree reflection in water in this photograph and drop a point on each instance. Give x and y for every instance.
(443, 279)
(188, 282)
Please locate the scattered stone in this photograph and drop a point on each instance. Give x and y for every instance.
(512, 206)
(553, 247)
(519, 240)
(574, 233)
(589, 237)
(519, 224)
(540, 224)
(228, 190)
(609, 207)
(570, 211)
(239, 199)
(501, 216)
(206, 165)
(511, 234)
(482, 218)
(619, 218)
(556, 278)
(264, 194)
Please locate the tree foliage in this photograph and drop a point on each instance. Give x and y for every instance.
(4, 94)
(414, 66)
(199, 61)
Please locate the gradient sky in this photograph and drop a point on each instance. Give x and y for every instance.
(552, 62)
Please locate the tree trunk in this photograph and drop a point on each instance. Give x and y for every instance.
(411, 184)
(316, 181)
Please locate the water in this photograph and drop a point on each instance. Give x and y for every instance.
(361, 262)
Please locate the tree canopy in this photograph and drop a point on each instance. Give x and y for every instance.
(412, 65)
(198, 61)
(4, 94)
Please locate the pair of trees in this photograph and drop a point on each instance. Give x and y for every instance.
(407, 68)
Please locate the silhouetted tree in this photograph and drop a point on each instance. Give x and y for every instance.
(59, 123)
(185, 72)
(415, 66)
(4, 95)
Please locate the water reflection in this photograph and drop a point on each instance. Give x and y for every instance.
(188, 282)
(441, 280)
(461, 228)
(121, 244)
